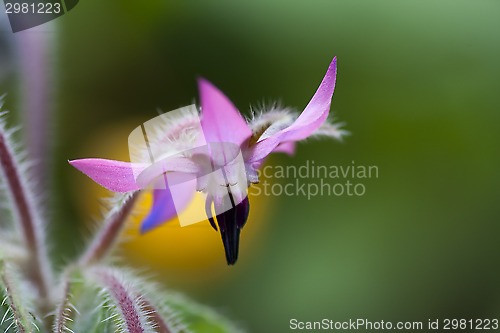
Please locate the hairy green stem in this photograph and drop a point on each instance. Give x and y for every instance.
(108, 235)
(27, 217)
(160, 324)
(16, 314)
(125, 301)
(63, 311)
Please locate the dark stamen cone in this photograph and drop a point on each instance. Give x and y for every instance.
(243, 209)
(230, 224)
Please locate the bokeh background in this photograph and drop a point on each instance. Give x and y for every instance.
(418, 87)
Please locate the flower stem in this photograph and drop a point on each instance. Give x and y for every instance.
(155, 317)
(27, 216)
(124, 299)
(63, 311)
(107, 236)
(36, 53)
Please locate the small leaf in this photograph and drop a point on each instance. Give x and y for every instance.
(86, 308)
(199, 318)
(16, 310)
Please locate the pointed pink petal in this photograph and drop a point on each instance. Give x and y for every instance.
(309, 120)
(221, 121)
(170, 164)
(116, 176)
(317, 110)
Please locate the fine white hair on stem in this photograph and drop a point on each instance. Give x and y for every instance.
(113, 225)
(169, 133)
(26, 212)
(135, 310)
(18, 298)
(331, 130)
(269, 119)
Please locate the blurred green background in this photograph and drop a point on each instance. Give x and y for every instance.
(418, 87)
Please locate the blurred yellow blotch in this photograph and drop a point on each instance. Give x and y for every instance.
(193, 248)
(178, 252)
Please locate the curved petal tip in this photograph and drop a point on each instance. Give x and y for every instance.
(221, 121)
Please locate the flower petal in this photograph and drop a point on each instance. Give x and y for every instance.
(167, 203)
(285, 147)
(163, 210)
(308, 121)
(148, 175)
(116, 176)
(317, 110)
(221, 121)
(119, 176)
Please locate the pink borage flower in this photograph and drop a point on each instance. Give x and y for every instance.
(214, 137)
